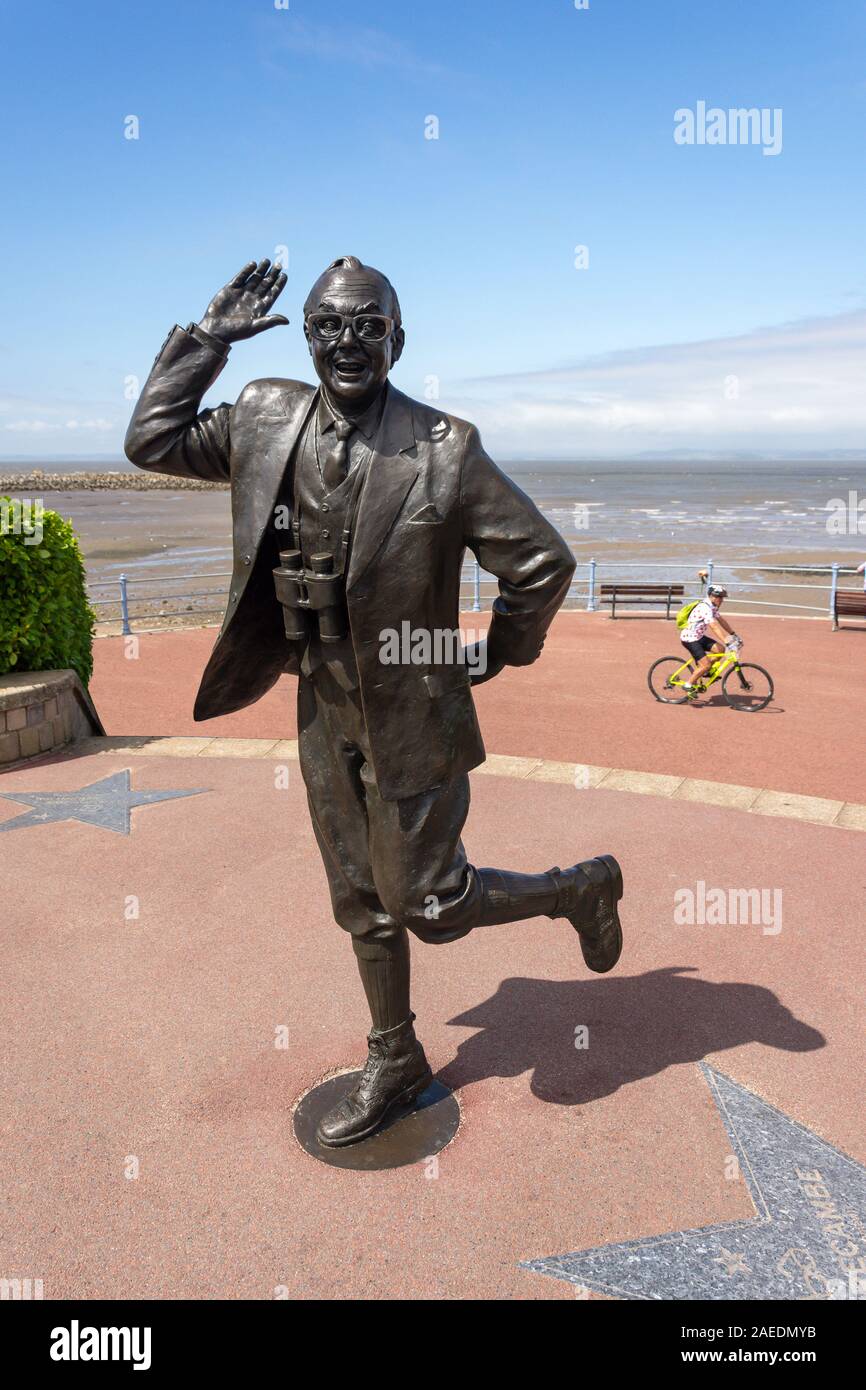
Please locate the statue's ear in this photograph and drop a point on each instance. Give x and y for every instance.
(399, 340)
(309, 341)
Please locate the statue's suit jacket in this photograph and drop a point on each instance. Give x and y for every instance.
(430, 491)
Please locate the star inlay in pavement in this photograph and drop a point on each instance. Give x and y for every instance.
(107, 803)
(807, 1239)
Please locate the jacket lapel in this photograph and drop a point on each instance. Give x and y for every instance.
(390, 474)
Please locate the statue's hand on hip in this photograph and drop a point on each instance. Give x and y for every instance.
(480, 665)
(240, 309)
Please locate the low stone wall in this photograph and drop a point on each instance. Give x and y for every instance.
(43, 710)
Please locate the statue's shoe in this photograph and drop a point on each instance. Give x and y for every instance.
(588, 897)
(395, 1074)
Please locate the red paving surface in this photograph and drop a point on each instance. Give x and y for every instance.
(585, 701)
(154, 1037)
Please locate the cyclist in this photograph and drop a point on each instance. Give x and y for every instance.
(704, 634)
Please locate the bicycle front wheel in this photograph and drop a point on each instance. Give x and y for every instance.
(659, 678)
(748, 688)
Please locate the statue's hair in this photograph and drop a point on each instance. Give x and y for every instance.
(352, 263)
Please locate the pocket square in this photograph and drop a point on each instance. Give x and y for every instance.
(427, 516)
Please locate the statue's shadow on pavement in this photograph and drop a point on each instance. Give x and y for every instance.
(637, 1026)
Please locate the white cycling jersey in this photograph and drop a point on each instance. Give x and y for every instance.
(699, 620)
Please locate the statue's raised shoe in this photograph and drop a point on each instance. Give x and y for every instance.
(588, 897)
(395, 1074)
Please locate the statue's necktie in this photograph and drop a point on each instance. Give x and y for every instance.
(335, 467)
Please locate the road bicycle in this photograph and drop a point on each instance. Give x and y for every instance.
(744, 685)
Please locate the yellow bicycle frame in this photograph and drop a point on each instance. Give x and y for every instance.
(720, 663)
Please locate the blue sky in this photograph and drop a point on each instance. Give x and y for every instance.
(724, 304)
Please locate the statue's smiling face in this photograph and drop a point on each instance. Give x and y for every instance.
(352, 361)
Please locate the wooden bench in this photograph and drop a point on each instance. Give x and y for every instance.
(641, 593)
(849, 604)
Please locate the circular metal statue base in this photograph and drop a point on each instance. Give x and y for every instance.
(405, 1136)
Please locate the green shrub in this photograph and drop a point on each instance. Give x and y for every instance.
(46, 622)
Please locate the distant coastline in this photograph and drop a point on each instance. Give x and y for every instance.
(100, 471)
(37, 481)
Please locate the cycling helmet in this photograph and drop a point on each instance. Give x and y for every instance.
(718, 589)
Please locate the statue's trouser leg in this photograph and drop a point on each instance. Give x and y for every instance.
(422, 874)
(331, 727)
(393, 865)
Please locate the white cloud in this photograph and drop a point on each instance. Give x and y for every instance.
(354, 46)
(30, 426)
(31, 417)
(795, 412)
(40, 426)
(792, 387)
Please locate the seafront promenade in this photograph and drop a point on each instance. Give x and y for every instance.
(588, 698)
(175, 983)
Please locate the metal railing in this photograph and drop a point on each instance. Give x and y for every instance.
(122, 601)
(585, 589)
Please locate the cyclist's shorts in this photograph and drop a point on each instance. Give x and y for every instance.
(700, 648)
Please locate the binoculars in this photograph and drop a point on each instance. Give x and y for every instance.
(311, 597)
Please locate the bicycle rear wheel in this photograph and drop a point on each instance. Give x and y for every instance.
(658, 680)
(748, 688)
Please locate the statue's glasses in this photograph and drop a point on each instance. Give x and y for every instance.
(367, 328)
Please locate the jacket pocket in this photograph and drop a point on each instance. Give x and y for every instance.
(427, 516)
(446, 681)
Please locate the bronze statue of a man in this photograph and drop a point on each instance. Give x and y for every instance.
(382, 495)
